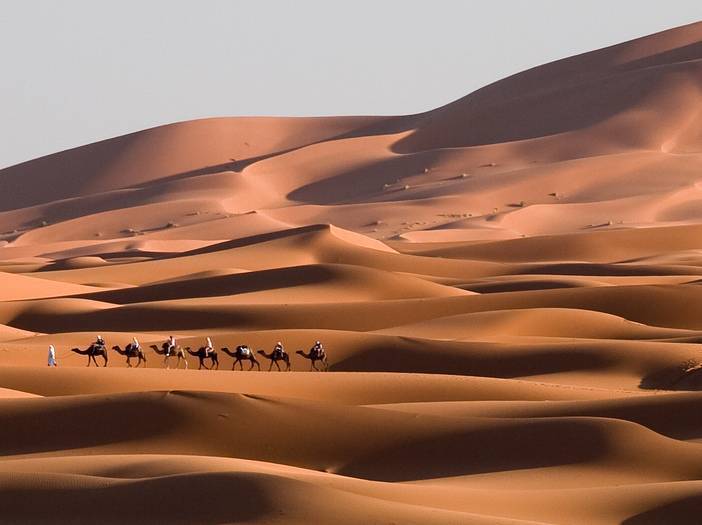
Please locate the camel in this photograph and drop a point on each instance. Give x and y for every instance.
(201, 355)
(91, 352)
(240, 354)
(276, 356)
(314, 356)
(178, 352)
(131, 351)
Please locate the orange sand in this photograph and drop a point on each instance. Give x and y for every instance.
(508, 288)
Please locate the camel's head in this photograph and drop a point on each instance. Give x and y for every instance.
(116, 347)
(300, 352)
(75, 349)
(187, 349)
(261, 352)
(225, 349)
(153, 347)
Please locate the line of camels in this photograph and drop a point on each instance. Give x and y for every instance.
(240, 354)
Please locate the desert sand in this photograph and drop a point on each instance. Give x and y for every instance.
(507, 287)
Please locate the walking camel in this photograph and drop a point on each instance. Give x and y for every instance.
(202, 355)
(131, 351)
(275, 356)
(178, 352)
(92, 351)
(240, 354)
(315, 355)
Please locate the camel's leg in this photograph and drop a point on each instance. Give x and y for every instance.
(277, 365)
(129, 362)
(252, 364)
(215, 365)
(105, 358)
(270, 367)
(165, 362)
(186, 363)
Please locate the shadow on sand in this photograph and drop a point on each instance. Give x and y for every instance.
(685, 376)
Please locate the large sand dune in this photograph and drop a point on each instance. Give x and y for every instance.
(508, 288)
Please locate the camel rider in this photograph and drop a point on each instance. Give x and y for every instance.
(278, 351)
(99, 341)
(208, 347)
(135, 344)
(171, 344)
(318, 349)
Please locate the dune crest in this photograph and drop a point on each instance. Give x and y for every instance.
(507, 289)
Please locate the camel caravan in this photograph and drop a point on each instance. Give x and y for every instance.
(207, 355)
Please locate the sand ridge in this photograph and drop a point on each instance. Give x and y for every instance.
(507, 287)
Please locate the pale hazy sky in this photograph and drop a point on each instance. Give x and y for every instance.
(77, 71)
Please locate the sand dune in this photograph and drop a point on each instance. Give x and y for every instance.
(549, 322)
(507, 287)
